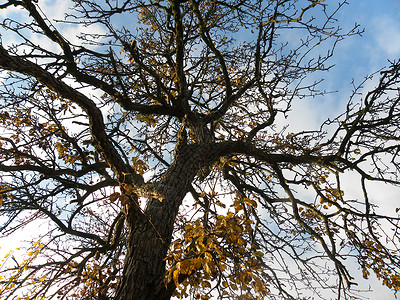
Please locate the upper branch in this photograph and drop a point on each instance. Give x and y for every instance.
(69, 54)
(180, 53)
(100, 139)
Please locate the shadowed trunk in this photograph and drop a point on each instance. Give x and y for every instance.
(150, 234)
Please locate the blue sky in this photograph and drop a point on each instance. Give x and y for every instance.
(355, 58)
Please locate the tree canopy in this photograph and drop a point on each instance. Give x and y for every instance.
(152, 148)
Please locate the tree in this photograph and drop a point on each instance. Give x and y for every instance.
(153, 149)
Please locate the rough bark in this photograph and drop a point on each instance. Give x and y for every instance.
(151, 232)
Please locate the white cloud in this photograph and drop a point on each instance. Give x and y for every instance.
(10, 12)
(387, 35)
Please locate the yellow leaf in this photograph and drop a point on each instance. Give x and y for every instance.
(207, 263)
(206, 268)
(250, 202)
(114, 196)
(258, 253)
(185, 267)
(175, 276)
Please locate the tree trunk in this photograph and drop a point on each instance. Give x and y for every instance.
(150, 235)
(144, 263)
